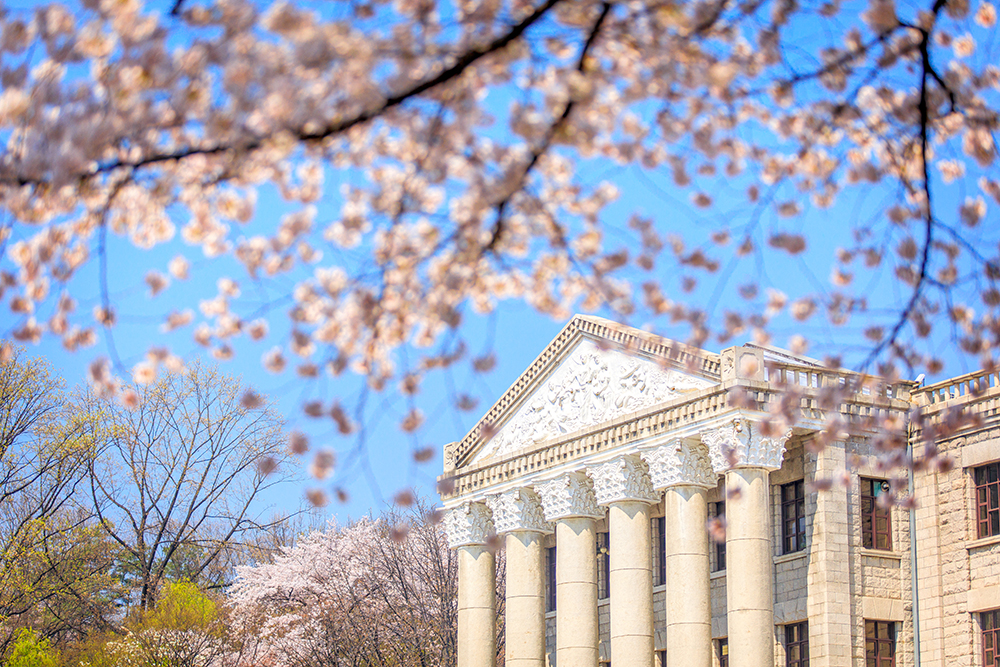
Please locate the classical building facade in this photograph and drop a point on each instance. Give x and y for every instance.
(610, 470)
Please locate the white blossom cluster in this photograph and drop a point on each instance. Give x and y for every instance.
(350, 593)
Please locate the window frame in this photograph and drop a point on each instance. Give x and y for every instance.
(603, 565)
(719, 564)
(874, 658)
(986, 499)
(793, 511)
(722, 645)
(550, 568)
(871, 515)
(989, 636)
(802, 643)
(657, 527)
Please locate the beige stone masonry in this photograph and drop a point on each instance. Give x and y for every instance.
(576, 593)
(978, 453)
(469, 527)
(829, 570)
(681, 466)
(623, 484)
(984, 598)
(569, 502)
(518, 514)
(882, 609)
(747, 456)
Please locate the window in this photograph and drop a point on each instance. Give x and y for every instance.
(603, 566)
(550, 580)
(718, 510)
(880, 644)
(990, 622)
(988, 500)
(723, 647)
(876, 525)
(658, 539)
(661, 657)
(793, 517)
(797, 645)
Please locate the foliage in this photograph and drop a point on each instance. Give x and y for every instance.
(183, 629)
(30, 650)
(55, 569)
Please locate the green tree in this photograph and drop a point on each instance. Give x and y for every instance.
(184, 628)
(55, 569)
(30, 650)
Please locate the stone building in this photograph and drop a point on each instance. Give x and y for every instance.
(598, 471)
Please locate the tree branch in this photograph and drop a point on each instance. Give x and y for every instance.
(450, 73)
(543, 147)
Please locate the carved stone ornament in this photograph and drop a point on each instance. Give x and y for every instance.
(740, 444)
(570, 495)
(518, 509)
(590, 387)
(622, 479)
(680, 462)
(468, 524)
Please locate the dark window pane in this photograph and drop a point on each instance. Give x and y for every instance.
(876, 522)
(987, 500)
(792, 517)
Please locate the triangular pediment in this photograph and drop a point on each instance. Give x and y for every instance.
(593, 372)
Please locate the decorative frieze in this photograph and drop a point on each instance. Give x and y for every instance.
(518, 509)
(740, 444)
(569, 495)
(679, 462)
(468, 524)
(622, 479)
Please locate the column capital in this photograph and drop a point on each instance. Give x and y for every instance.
(625, 478)
(680, 462)
(471, 523)
(567, 496)
(742, 444)
(518, 509)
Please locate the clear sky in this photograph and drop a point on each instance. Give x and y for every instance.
(377, 462)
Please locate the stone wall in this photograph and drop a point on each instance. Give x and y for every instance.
(836, 584)
(958, 573)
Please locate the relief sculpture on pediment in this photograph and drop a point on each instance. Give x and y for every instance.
(590, 387)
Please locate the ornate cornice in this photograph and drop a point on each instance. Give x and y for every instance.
(569, 495)
(518, 509)
(739, 444)
(622, 479)
(468, 524)
(679, 462)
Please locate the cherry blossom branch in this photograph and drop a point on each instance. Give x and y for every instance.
(108, 318)
(448, 74)
(550, 135)
(927, 71)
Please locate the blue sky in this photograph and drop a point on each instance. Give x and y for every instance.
(375, 465)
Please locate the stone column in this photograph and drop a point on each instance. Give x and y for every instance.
(829, 570)
(747, 457)
(682, 468)
(518, 515)
(623, 484)
(469, 527)
(569, 502)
